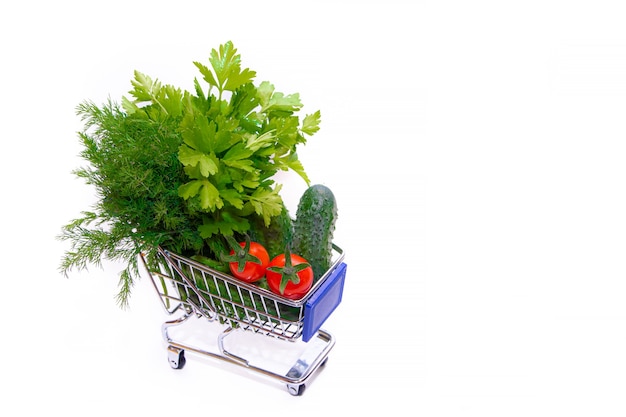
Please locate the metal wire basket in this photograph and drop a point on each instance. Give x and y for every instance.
(192, 288)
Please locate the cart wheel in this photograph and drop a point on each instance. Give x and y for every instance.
(296, 390)
(176, 357)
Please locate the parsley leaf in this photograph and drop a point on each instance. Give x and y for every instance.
(227, 74)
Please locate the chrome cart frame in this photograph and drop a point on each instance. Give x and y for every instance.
(191, 289)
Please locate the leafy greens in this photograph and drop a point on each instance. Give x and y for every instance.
(184, 169)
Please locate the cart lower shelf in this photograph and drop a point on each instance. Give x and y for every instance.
(299, 361)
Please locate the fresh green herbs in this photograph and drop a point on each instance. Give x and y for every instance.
(184, 169)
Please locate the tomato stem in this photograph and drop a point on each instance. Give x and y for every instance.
(288, 272)
(241, 255)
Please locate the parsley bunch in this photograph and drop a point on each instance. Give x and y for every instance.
(182, 169)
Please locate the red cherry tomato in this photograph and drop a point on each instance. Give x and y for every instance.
(251, 271)
(290, 279)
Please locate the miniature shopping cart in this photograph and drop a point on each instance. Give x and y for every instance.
(191, 289)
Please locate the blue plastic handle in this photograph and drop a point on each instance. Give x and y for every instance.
(323, 302)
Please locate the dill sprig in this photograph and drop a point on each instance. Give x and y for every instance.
(134, 168)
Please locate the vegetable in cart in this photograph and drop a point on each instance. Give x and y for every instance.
(289, 275)
(247, 260)
(184, 169)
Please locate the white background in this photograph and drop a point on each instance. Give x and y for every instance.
(476, 149)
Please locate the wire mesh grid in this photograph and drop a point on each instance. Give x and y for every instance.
(185, 284)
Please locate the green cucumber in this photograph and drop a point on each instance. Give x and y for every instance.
(314, 227)
(274, 237)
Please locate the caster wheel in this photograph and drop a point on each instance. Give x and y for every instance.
(324, 362)
(176, 357)
(296, 390)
